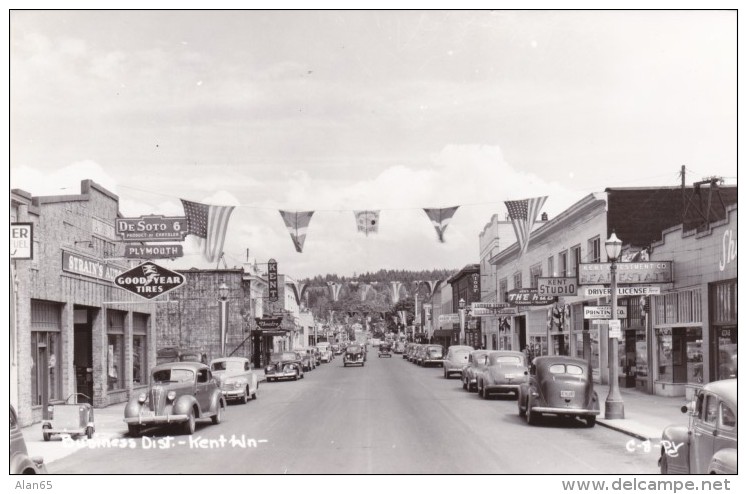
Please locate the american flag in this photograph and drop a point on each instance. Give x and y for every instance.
(297, 223)
(440, 219)
(523, 214)
(209, 224)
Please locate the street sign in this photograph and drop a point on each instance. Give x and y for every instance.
(268, 322)
(149, 280)
(528, 297)
(448, 319)
(615, 329)
(627, 273)
(272, 279)
(622, 291)
(504, 311)
(557, 286)
(21, 240)
(163, 251)
(489, 305)
(152, 228)
(604, 312)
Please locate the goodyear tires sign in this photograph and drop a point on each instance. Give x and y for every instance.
(149, 280)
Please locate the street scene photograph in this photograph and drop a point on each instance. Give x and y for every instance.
(374, 242)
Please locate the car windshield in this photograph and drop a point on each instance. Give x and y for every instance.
(173, 376)
(435, 349)
(506, 359)
(460, 354)
(229, 365)
(283, 357)
(353, 349)
(574, 370)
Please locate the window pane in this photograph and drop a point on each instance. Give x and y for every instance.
(139, 363)
(728, 417)
(115, 361)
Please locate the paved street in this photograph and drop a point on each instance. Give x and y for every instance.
(387, 417)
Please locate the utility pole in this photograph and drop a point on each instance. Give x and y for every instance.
(684, 200)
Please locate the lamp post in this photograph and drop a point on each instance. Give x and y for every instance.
(223, 306)
(613, 405)
(462, 317)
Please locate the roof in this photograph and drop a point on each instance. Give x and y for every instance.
(180, 365)
(559, 359)
(726, 389)
(468, 269)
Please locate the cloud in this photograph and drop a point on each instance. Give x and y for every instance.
(65, 180)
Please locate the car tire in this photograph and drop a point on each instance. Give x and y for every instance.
(245, 396)
(664, 464)
(218, 417)
(189, 425)
(89, 432)
(46, 435)
(522, 410)
(591, 421)
(254, 395)
(532, 417)
(134, 430)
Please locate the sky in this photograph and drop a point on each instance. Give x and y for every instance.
(336, 111)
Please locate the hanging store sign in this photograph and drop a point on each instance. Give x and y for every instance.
(448, 319)
(557, 286)
(21, 240)
(622, 291)
(604, 312)
(268, 322)
(615, 329)
(149, 280)
(528, 297)
(152, 228)
(627, 273)
(163, 251)
(86, 266)
(272, 279)
(504, 311)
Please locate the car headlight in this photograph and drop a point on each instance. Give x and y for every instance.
(141, 398)
(269, 368)
(171, 396)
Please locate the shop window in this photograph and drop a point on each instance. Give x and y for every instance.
(517, 280)
(140, 349)
(537, 346)
(680, 355)
(46, 367)
(563, 264)
(575, 260)
(503, 290)
(551, 266)
(115, 351)
(595, 253)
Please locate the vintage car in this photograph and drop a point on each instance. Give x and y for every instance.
(179, 393)
(560, 386)
(325, 352)
(337, 349)
(284, 365)
(475, 365)
(385, 350)
(354, 355)
(176, 354)
(708, 444)
(69, 417)
(413, 353)
(505, 371)
(457, 358)
(20, 461)
(432, 355)
(308, 362)
(235, 378)
(399, 347)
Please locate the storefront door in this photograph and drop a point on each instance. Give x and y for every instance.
(83, 354)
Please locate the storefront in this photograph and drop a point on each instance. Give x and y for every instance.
(75, 331)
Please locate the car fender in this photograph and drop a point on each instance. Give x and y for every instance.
(217, 400)
(675, 444)
(20, 464)
(184, 404)
(132, 409)
(724, 462)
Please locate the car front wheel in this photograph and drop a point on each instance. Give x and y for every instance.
(189, 425)
(218, 417)
(245, 397)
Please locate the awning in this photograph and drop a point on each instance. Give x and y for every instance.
(270, 332)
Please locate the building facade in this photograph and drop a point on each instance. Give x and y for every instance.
(465, 288)
(74, 330)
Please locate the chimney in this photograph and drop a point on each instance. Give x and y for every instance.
(544, 216)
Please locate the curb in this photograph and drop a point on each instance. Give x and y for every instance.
(640, 437)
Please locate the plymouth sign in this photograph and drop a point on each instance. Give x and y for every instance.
(137, 251)
(153, 228)
(149, 280)
(528, 297)
(627, 273)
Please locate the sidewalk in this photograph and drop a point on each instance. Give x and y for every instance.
(110, 426)
(646, 415)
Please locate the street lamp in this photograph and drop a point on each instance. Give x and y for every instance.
(462, 317)
(613, 406)
(223, 306)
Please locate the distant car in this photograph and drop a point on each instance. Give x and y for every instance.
(176, 354)
(417, 355)
(284, 365)
(708, 444)
(179, 393)
(385, 350)
(504, 373)
(560, 386)
(399, 347)
(375, 342)
(457, 358)
(20, 462)
(235, 378)
(325, 352)
(354, 355)
(308, 360)
(475, 365)
(432, 355)
(337, 349)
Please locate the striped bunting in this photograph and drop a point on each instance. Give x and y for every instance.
(297, 223)
(440, 219)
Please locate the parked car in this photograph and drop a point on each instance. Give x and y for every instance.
(20, 461)
(284, 365)
(337, 349)
(179, 393)
(385, 350)
(432, 355)
(560, 386)
(457, 358)
(176, 354)
(475, 364)
(69, 417)
(505, 371)
(416, 351)
(399, 347)
(325, 352)
(708, 444)
(235, 378)
(354, 355)
(308, 361)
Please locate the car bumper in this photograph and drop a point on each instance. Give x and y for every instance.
(284, 375)
(156, 419)
(565, 411)
(508, 388)
(233, 393)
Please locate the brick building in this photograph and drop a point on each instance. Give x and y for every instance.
(74, 330)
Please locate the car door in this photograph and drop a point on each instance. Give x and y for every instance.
(704, 431)
(726, 428)
(203, 390)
